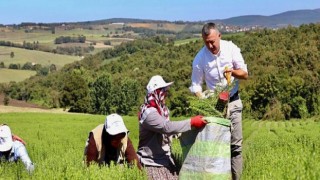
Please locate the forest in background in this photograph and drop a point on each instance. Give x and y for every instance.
(284, 76)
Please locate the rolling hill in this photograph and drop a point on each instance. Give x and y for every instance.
(294, 18)
(22, 56)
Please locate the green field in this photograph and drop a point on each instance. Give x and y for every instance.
(186, 41)
(95, 35)
(45, 37)
(8, 75)
(55, 142)
(282, 150)
(21, 56)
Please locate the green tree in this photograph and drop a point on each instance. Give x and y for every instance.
(101, 94)
(27, 66)
(126, 96)
(2, 65)
(44, 71)
(14, 66)
(52, 68)
(6, 100)
(75, 93)
(265, 91)
(299, 107)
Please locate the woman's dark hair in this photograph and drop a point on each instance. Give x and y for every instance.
(206, 28)
(111, 152)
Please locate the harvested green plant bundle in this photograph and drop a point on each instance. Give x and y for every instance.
(206, 106)
(213, 103)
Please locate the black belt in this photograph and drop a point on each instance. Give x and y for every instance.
(234, 97)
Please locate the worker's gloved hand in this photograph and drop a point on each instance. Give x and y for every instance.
(198, 122)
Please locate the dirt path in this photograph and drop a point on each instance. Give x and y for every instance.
(23, 106)
(8, 109)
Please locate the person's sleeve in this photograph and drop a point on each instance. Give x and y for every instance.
(131, 155)
(17, 138)
(23, 155)
(155, 122)
(237, 59)
(197, 74)
(91, 152)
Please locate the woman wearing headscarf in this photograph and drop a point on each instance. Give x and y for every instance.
(156, 130)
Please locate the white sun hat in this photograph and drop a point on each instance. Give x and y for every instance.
(157, 82)
(114, 124)
(5, 138)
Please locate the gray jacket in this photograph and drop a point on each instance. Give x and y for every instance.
(155, 135)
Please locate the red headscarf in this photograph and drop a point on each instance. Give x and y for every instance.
(155, 99)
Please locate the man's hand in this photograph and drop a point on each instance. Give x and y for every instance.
(200, 95)
(237, 73)
(227, 74)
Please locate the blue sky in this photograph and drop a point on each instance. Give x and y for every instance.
(47, 11)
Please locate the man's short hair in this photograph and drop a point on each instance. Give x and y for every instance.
(206, 28)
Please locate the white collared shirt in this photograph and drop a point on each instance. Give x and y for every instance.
(209, 67)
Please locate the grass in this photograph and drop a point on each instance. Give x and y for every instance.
(233, 34)
(185, 41)
(18, 36)
(281, 150)
(8, 75)
(46, 36)
(55, 142)
(158, 26)
(21, 56)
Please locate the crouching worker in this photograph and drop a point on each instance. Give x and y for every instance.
(12, 148)
(156, 131)
(109, 142)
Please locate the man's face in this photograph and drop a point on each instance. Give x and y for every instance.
(212, 41)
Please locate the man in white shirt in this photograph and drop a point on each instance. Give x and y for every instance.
(211, 64)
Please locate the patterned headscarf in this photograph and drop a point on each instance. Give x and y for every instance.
(155, 99)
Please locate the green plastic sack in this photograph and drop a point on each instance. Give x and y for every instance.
(206, 153)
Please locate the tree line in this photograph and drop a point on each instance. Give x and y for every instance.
(283, 66)
(72, 50)
(69, 39)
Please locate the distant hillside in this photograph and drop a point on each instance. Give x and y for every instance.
(128, 20)
(106, 21)
(22, 56)
(294, 18)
